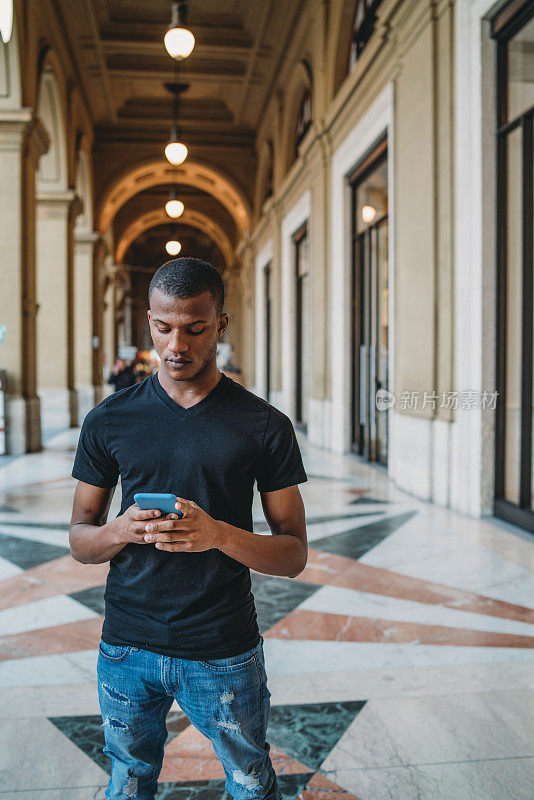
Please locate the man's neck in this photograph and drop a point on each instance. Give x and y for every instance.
(188, 393)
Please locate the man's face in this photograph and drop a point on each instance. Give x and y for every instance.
(185, 332)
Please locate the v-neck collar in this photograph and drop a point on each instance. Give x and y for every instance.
(194, 409)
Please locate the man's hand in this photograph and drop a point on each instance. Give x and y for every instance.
(195, 532)
(282, 553)
(130, 528)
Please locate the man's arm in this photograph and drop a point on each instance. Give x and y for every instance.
(283, 553)
(92, 539)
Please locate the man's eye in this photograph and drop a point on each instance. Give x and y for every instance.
(196, 333)
(163, 330)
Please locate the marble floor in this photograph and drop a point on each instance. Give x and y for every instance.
(401, 661)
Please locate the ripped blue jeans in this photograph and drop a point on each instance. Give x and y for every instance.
(226, 699)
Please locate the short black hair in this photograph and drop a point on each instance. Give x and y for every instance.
(188, 277)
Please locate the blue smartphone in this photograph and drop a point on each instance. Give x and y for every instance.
(163, 502)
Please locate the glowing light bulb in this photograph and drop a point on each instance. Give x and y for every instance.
(179, 43)
(174, 208)
(173, 247)
(368, 213)
(6, 20)
(176, 152)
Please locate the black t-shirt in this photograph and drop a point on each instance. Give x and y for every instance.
(190, 605)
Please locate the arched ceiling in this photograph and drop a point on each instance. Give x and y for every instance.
(123, 63)
(154, 173)
(123, 68)
(147, 252)
(194, 219)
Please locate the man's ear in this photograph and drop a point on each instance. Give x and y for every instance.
(223, 318)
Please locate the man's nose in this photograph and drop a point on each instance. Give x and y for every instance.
(177, 344)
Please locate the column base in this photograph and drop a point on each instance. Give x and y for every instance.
(87, 399)
(23, 425)
(58, 409)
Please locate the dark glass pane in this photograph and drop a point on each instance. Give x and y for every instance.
(520, 52)
(514, 283)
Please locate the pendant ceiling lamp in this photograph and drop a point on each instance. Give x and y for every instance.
(173, 206)
(175, 149)
(173, 247)
(6, 20)
(179, 41)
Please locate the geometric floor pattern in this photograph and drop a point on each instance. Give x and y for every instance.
(400, 661)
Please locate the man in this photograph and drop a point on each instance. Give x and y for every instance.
(180, 620)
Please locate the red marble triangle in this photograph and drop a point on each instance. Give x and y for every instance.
(68, 638)
(191, 757)
(320, 788)
(60, 576)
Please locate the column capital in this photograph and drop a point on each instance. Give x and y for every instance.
(86, 237)
(64, 204)
(22, 128)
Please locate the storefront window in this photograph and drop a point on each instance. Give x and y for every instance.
(514, 470)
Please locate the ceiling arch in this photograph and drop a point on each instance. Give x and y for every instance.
(159, 217)
(191, 173)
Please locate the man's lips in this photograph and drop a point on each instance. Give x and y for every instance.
(178, 361)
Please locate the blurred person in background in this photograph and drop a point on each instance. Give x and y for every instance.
(122, 375)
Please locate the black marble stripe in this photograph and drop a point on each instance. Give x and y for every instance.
(27, 553)
(309, 732)
(92, 598)
(277, 597)
(263, 526)
(358, 541)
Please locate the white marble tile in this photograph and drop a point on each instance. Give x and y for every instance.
(365, 684)
(319, 529)
(45, 613)
(34, 754)
(296, 656)
(501, 779)
(441, 555)
(443, 728)
(7, 569)
(67, 793)
(336, 600)
(76, 699)
(48, 670)
(45, 535)
(25, 472)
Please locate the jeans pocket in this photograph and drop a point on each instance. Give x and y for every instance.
(232, 663)
(113, 652)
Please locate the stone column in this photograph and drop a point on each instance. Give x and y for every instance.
(246, 256)
(23, 140)
(109, 343)
(233, 305)
(56, 212)
(100, 284)
(84, 328)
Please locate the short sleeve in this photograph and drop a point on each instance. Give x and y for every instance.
(281, 461)
(93, 463)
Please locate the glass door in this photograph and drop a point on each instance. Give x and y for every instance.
(369, 293)
(514, 484)
(302, 338)
(267, 296)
